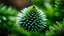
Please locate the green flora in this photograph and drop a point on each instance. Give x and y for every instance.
(8, 20)
(44, 18)
(59, 9)
(56, 30)
(32, 18)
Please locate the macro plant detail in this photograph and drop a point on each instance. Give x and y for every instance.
(43, 18)
(32, 18)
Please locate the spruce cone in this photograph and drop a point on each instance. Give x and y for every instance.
(32, 18)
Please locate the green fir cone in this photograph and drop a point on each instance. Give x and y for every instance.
(32, 19)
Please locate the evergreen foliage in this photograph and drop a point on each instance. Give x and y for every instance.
(59, 9)
(8, 20)
(32, 21)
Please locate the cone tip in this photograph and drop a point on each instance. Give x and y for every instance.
(33, 6)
